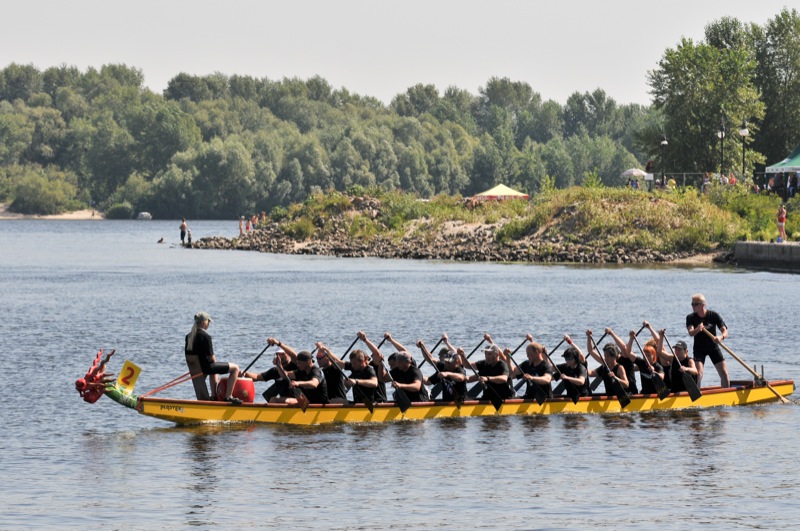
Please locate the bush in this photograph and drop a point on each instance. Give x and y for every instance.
(300, 230)
(37, 194)
(122, 210)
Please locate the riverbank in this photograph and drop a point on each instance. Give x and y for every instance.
(364, 226)
(87, 214)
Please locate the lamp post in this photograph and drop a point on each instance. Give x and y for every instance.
(664, 145)
(743, 132)
(721, 136)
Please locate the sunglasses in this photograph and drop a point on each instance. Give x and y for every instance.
(697, 304)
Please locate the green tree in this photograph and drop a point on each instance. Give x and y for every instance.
(777, 76)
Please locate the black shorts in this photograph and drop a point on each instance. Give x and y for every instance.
(715, 355)
(217, 368)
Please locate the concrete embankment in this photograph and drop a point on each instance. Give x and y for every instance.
(768, 256)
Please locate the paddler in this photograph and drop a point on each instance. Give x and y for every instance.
(449, 371)
(307, 377)
(492, 371)
(536, 370)
(286, 356)
(610, 369)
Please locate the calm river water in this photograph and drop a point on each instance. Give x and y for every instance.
(70, 288)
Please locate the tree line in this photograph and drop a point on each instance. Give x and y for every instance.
(222, 146)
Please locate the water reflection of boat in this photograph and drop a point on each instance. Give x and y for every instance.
(194, 411)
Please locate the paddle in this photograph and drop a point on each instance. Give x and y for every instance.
(458, 399)
(688, 380)
(496, 399)
(400, 396)
(622, 395)
(572, 392)
(594, 385)
(299, 395)
(256, 358)
(432, 351)
(746, 366)
(509, 367)
(367, 400)
(658, 382)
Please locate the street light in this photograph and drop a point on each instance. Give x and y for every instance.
(721, 136)
(743, 132)
(664, 145)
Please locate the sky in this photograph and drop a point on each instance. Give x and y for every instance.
(374, 48)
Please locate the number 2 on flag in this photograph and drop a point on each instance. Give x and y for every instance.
(127, 377)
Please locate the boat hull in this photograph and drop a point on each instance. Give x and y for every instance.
(194, 411)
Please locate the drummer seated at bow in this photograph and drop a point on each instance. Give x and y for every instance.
(280, 388)
(610, 369)
(307, 377)
(491, 371)
(403, 372)
(450, 371)
(574, 369)
(362, 377)
(536, 370)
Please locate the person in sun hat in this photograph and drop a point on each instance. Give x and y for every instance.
(697, 322)
(492, 371)
(199, 345)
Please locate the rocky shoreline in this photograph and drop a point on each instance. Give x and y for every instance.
(458, 242)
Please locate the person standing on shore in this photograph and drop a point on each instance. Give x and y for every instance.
(183, 228)
(782, 224)
(697, 322)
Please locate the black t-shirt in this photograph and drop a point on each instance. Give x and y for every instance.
(630, 373)
(537, 370)
(410, 376)
(702, 343)
(203, 348)
(498, 369)
(360, 391)
(318, 395)
(648, 387)
(335, 382)
(578, 372)
(676, 384)
(450, 386)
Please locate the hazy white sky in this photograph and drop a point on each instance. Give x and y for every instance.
(375, 48)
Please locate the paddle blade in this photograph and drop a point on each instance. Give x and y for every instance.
(661, 388)
(476, 390)
(595, 383)
(436, 390)
(496, 399)
(557, 390)
(519, 385)
(302, 400)
(539, 393)
(572, 392)
(402, 400)
(458, 399)
(622, 395)
(691, 386)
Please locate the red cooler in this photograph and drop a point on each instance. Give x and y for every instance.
(244, 389)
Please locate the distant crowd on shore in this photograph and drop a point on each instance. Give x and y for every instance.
(248, 224)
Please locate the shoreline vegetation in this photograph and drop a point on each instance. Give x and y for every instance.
(80, 215)
(594, 225)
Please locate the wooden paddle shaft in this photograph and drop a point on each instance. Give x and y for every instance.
(746, 366)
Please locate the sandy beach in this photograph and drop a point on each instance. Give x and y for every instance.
(87, 214)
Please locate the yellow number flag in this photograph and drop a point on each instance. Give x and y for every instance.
(127, 377)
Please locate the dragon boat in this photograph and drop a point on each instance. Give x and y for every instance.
(97, 383)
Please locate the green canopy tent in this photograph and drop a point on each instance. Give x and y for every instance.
(790, 164)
